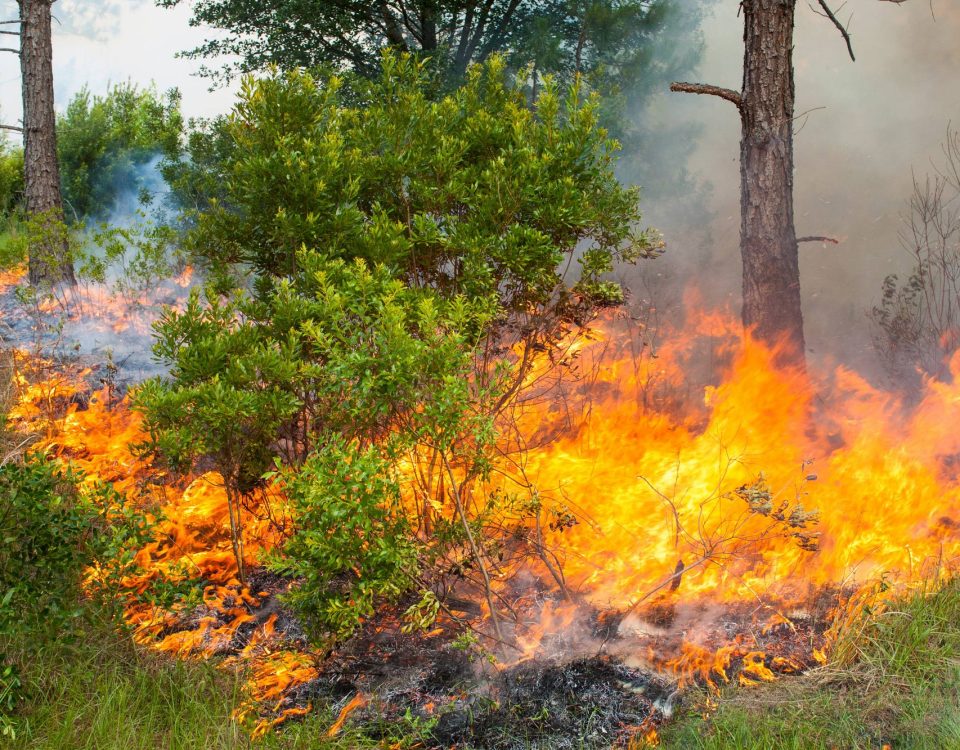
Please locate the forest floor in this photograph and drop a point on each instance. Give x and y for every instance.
(100, 692)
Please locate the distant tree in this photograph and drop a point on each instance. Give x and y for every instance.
(104, 143)
(11, 179)
(768, 240)
(918, 318)
(50, 260)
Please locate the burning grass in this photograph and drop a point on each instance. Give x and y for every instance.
(895, 686)
(684, 549)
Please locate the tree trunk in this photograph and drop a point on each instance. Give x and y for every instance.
(49, 263)
(768, 241)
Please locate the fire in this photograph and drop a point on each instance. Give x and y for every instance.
(671, 505)
(681, 498)
(358, 701)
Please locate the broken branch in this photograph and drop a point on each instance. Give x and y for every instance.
(704, 88)
(817, 238)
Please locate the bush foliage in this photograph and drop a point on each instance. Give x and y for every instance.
(384, 265)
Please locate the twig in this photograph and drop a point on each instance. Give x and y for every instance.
(455, 491)
(840, 27)
(817, 238)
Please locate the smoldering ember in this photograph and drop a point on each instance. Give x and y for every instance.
(382, 408)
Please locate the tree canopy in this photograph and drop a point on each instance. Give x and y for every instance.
(602, 38)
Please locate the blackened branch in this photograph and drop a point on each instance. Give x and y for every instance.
(703, 88)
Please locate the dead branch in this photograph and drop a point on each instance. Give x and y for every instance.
(818, 238)
(14, 128)
(836, 22)
(705, 88)
(478, 556)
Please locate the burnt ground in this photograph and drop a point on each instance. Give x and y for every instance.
(589, 693)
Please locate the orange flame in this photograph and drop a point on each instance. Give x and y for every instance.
(685, 496)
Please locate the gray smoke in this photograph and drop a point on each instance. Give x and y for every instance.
(868, 126)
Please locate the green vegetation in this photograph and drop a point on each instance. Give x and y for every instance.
(372, 269)
(899, 686)
(101, 692)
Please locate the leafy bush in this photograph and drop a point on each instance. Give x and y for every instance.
(474, 194)
(384, 275)
(52, 533)
(44, 545)
(46, 533)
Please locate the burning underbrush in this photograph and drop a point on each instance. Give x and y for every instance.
(688, 529)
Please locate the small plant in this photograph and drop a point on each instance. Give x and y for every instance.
(11, 693)
(352, 546)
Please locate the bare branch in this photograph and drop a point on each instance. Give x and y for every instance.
(840, 27)
(817, 238)
(10, 49)
(10, 33)
(11, 127)
(704, 88)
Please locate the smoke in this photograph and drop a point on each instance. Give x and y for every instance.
(128, 269)
(866, 127)
(140, 192)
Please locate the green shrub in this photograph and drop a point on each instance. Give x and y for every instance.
(51, 531)
(384, 275)
(46, 533)
(353, 544)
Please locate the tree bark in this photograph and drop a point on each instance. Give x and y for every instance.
(768, 240)
(49, 263)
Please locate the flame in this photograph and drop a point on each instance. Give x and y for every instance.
(11, 277)
(662, 496)
(358, 701)
(686, 481)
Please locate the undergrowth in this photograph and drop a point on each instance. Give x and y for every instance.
(101, 692)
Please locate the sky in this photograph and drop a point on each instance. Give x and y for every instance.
(99, 42)
(872, 125)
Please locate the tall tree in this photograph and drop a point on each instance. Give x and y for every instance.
(49, 261)
(768, 240)
(549, 36)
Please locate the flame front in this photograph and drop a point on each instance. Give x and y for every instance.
(761, 490)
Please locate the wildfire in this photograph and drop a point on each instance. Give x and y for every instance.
(758, 492)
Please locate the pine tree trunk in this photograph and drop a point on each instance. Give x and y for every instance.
(49, 261)
(768, 241)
